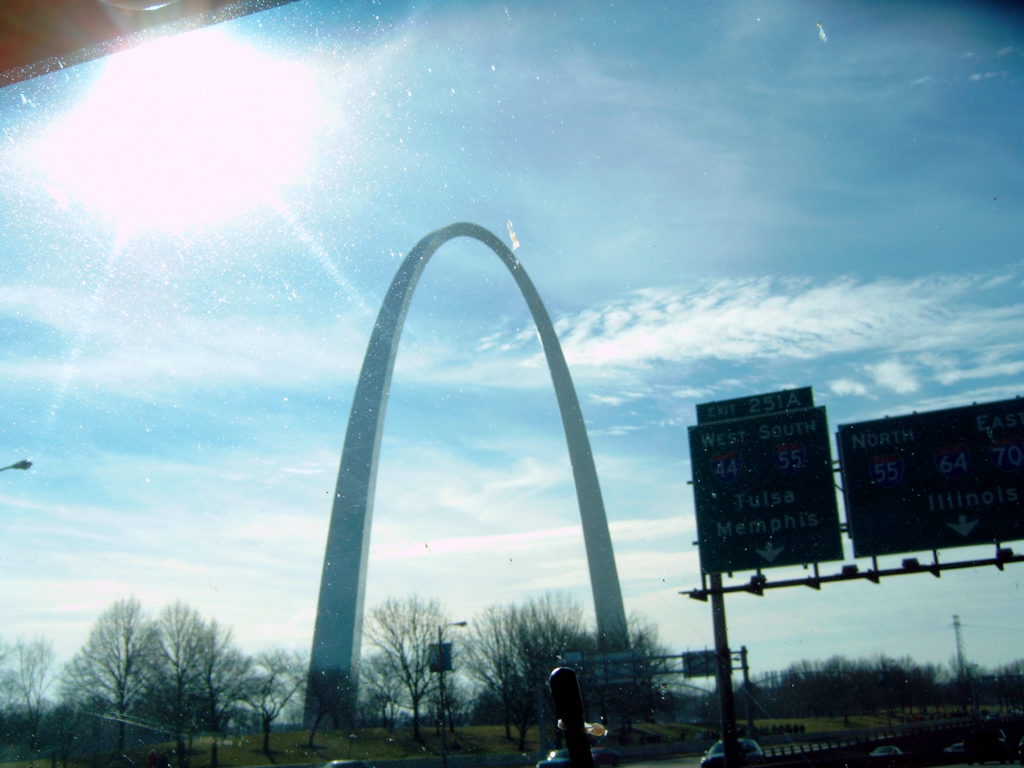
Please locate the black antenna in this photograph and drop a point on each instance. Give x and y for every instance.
(565, 689)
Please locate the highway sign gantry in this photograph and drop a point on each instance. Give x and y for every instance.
(933, 480)
(764, 490)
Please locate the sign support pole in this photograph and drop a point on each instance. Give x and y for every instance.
(727, 704)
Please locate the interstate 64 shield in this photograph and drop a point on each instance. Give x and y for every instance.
(932, 480)
(764, 491)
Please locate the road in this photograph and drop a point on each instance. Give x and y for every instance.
(694, 762)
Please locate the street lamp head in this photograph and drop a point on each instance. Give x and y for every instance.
(23, 464)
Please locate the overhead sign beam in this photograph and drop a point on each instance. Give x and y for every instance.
(758, 584)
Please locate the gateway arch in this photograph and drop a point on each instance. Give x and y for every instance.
(334, 661)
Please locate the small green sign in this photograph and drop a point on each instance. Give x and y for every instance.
(700, 663)
(767, 404)
(765, 492)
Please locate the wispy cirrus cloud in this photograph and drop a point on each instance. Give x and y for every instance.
(733, 320)
(759, 318)
(979, 76)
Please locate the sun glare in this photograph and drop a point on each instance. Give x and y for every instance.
(186, 130)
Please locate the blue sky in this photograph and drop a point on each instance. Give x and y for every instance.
(712, 200)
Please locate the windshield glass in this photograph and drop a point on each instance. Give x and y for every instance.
(710, 201)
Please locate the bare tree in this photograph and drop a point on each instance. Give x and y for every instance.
(5, 685)
(1009, 680)
(380, 690)
(64, 726)
(403, 631)
(491, 657)
(455, 708)
(277, 677)
(632, 688)
(32, 678)
(111, 669)
(514, 648)
(547, 627)
(330, 695)
(223, 679)
(174, 688)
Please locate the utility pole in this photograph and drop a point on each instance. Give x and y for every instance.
(443, 665)
(961, 664)
(963, 668)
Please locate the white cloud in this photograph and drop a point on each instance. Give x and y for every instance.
(617, 430)
(653, 529)
(690, 393)
(960, 397)
(734, 320)
(532, 541)
(847, 387)
(895, 376)
(983, 371)
(618, 399)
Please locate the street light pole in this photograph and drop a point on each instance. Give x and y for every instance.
(23, 464)
(440, 688)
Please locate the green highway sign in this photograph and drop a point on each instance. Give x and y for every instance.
(933, 480)
(700, 663)
(764, 491)
(755, 405)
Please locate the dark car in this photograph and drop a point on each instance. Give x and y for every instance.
(884, 756)
(750, 754)
(885, 751)
(985, 745)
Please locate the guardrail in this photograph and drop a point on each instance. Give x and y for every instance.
(816, 744)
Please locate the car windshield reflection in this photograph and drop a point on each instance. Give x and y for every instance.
(364, 363)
